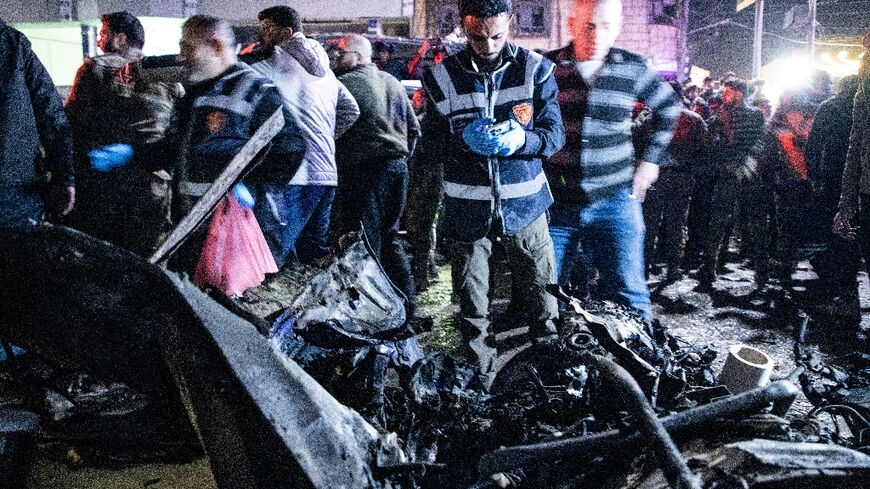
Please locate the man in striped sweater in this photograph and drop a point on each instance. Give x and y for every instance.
(597, 179)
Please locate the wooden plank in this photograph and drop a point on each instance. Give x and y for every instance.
(219, 187)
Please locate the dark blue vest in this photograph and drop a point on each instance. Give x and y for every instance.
(502, 194)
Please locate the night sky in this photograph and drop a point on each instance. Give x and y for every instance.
(729, 48)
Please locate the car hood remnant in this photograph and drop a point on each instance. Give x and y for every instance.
(346, 327)
(98, 308)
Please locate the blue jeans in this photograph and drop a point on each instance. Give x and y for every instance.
(610, 235)
(295, 220)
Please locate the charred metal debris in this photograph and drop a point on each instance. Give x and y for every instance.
(579, 410)
(612, 401)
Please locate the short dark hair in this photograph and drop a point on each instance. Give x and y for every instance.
(737, 84)
(125, 23)
(283, 16)
(380, 46)
(677, 87)
(484, 9)
(211, 26)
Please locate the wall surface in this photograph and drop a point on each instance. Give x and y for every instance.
(49, 10)
(662, 44)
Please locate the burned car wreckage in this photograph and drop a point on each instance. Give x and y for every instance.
(331, 388)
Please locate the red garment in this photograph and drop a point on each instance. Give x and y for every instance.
(794, 154)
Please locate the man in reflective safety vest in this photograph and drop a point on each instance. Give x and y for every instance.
(492, 116)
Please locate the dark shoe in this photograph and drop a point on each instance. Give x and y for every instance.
(706, 277)
(419, 320)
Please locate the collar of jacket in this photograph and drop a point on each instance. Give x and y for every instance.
(465, 57)
(565, 56)
(207, 84)
(362, 69)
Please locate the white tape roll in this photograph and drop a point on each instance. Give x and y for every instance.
(745, 368)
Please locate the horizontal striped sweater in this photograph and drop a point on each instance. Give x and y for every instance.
(598, 159)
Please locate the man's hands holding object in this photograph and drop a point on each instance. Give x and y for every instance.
(486, 138)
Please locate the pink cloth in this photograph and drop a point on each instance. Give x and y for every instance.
(235, 256)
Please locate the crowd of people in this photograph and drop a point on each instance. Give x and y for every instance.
(582, 164)
(770, 180)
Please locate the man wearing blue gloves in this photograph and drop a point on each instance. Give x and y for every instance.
(113, 105)
(225, 104)
(493, 115)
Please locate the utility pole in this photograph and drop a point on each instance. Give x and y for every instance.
(683, 47)
(811, 41)
(756, 39)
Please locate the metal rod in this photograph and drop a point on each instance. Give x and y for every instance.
(676, 471)
(781, 392)
(811, 41)
(756, 39)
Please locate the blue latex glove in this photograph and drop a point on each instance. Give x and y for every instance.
(512, 139)
(110, 157)
(478, 137)
(243, 196)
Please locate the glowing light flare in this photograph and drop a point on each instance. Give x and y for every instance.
(791, 72)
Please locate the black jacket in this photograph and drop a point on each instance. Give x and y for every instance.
(31, 115)
(214, 121)
(826, 150)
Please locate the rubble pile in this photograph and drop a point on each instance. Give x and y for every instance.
(599, 405)
(841, 400)
(347, 330)
(86, 421)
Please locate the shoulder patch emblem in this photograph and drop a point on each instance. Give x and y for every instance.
(215, 121)
(523, 113)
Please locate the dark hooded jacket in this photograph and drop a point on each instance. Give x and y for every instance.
(31, 116)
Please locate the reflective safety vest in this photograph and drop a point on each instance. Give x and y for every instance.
(219, 126)
(486, 194)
